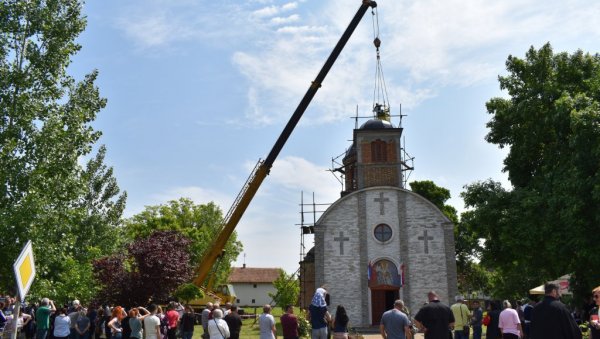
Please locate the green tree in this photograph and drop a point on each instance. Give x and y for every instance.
(542, 228)
(199, 223)
(288, 289)
(45, 130)
(98, 213)
(188, 292)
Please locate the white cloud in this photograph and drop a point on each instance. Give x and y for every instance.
(302, 29)
(285, 20)
(270, 11)
(266, 12)
(299, 174)
(148, 31)
(427, 45)
(289, 6)
(160, 25)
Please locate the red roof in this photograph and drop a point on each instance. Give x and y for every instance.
(253, 275)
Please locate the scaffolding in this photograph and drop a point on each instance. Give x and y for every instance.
(406, 161)
(309, 214)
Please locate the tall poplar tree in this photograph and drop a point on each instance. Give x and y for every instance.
(45, 130)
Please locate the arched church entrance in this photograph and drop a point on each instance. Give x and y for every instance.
(384, 283)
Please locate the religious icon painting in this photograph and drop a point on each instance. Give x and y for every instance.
(384, 273)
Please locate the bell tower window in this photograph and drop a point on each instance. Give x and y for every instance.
(379, 151)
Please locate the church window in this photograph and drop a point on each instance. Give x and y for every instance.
(383, 232)
(379, 151)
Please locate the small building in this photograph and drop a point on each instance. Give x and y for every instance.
(252, 285)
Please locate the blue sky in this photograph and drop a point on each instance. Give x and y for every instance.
(199, 90)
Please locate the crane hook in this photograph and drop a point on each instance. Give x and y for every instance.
(377, 42)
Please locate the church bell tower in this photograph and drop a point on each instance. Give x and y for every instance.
(376, 157)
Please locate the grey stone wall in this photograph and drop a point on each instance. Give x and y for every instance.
(422, 239)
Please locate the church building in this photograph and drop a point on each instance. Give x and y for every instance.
(379, 242)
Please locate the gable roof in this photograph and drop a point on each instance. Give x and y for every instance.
(253, 275)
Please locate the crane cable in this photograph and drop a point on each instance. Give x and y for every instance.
(380, 94)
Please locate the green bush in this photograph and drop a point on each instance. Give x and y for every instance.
(303, 325)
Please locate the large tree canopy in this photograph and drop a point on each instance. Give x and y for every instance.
(545, 226)
(199, 223)
(45, 131)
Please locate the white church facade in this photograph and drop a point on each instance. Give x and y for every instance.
(380, 242)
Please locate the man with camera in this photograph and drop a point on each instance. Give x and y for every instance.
(42, 316)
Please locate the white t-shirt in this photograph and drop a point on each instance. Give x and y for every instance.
(62, 324)
(266, 323)
(150, 324)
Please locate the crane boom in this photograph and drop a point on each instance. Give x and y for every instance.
(262, 168)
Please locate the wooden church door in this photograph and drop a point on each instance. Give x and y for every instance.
(384, 282)
(381, 301)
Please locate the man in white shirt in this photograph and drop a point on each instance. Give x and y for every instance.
(152, 324)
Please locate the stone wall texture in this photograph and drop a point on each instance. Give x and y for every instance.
(422, 239)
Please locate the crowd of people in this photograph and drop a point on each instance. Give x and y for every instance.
(74, 321)
(548, 319)
(220, 323)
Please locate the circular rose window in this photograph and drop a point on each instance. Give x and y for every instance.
(383, 232)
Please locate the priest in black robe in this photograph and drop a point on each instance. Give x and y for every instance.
(550, 319)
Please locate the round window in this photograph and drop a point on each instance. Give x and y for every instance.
(383, 232)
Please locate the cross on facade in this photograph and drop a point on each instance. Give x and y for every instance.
(341, 239)
(381, 200)
(426, 239)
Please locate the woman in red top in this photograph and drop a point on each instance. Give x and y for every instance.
(172, 320)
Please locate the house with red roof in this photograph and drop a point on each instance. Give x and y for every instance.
(252, 285)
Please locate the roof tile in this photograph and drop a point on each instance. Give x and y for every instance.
(253, 275)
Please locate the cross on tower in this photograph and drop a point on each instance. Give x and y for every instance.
(426, 239)
(341, 239)
(381, 200)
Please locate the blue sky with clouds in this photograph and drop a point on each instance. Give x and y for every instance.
(199, 90)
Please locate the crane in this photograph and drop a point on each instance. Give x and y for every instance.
(262, 168)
